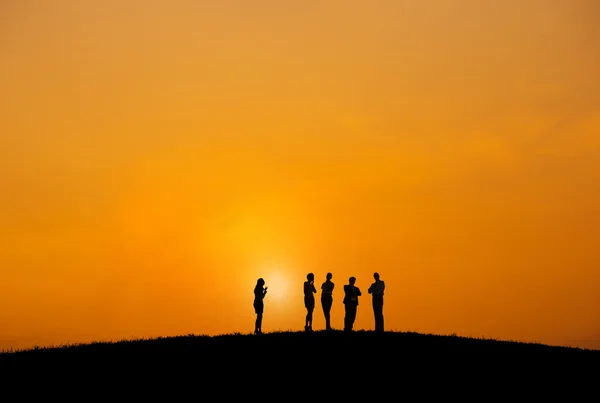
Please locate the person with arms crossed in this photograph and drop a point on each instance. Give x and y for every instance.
(351, 294)
(376, 290)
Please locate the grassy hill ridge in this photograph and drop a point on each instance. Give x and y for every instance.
(334, 365)
(334, 341)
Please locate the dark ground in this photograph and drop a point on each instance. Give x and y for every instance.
(286, 366)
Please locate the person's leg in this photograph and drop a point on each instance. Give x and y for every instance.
(352, 316)
(327, 311)
(324, 307)
(346, 317)
(306, 319)
(375, 317)
(381, 316)
(258, 324)
(378, 313)
(330, 304)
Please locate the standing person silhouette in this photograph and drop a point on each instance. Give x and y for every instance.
(259, 294)
(376, 290)
(309, 300)
(327, 299)
(351, 294)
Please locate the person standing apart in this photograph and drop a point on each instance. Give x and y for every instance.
(260, 291)
(309, 300)
(376, 290)
(351, 294)
(327, 299)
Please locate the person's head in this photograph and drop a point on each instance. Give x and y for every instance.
(260, 282)
(352, 280)
(329, 276)
(310, 277)
(376, 276)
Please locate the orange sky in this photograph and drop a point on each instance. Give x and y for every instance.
(156, 158)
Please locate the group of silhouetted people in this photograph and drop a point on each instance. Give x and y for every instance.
(350, 301)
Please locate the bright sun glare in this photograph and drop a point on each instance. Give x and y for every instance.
(278, 285)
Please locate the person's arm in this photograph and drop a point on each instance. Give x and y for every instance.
(370, 290)
(313, 288)
(358, 291)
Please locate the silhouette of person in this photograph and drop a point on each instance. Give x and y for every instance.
(327, 299)
(376, 290)
(309, 300)
(351, 294)
(259, 294)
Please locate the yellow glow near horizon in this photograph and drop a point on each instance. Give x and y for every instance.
(278, 286)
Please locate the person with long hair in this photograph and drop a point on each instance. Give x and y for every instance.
(309, 300)
(260, 291)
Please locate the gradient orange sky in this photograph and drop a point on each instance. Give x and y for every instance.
(157, 157)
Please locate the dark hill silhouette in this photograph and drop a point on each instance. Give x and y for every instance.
(344, 364)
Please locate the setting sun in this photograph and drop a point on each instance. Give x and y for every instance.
(279, 286)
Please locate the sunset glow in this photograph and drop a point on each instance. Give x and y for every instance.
(158, 157)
